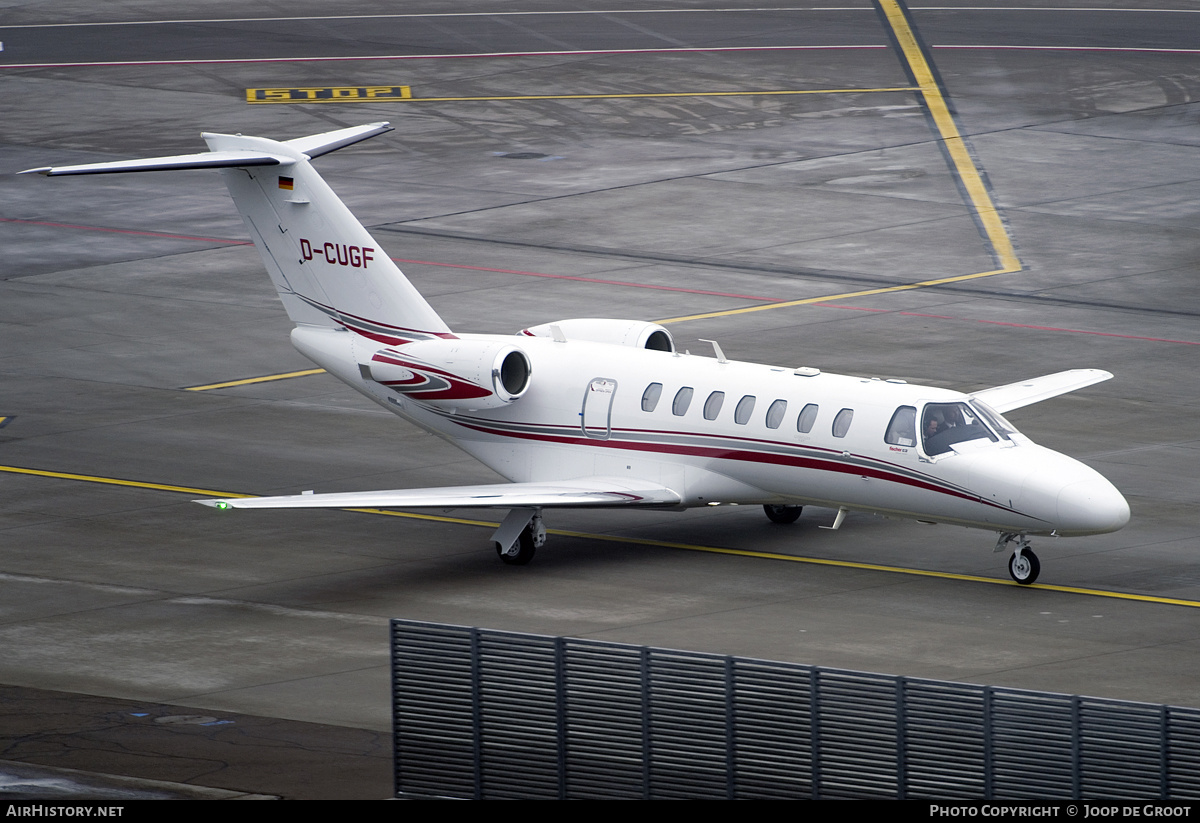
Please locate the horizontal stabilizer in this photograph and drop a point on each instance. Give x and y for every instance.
(1027, 392)
(206, 160)
(584, 493)
(316, 145)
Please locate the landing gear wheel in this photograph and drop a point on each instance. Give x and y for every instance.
(521, 552)
(1024, 566)
(783, 514)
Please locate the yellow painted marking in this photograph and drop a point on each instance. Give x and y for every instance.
(843, 296)
(329, 94)
(404, 95)
(654, 94)
(115, 481)
(636, 541)
(972, 181)
(940, 112)
(249, 380)
(5, 419)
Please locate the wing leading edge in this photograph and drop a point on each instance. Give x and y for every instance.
(1027, 392)
(584, 493)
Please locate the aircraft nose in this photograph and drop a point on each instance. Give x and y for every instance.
(1091, 506)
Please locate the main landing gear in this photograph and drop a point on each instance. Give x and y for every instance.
(520, 535)
(1023, 566)
(783, 514)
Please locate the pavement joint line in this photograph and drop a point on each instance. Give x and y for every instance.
(639, 541)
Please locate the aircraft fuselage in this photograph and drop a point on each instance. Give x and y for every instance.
(749, 433)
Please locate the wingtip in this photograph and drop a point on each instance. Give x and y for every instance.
(215, 504)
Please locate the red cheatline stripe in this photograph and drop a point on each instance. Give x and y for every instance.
(1018, 325)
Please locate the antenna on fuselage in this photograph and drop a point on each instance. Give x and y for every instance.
(717, 348)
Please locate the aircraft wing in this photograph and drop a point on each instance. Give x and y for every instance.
(1027, 392)
(582, 493)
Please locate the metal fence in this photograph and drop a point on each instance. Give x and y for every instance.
(490, 714)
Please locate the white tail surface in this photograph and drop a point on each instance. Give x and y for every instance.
(325, 265)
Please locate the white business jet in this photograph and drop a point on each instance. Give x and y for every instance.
(588, 413)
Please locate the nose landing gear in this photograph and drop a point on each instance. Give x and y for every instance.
(1023, 566)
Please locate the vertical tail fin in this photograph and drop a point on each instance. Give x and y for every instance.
(325, 265)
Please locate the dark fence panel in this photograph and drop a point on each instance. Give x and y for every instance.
(487, 714)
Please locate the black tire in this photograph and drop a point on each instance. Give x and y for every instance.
(783, 514)
(1025, 572)
(525, 550)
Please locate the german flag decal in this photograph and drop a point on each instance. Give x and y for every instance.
(285, 183)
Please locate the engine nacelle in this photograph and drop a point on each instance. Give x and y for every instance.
(637, 333)
(454, 373)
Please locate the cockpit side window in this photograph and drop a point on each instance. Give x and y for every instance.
(650, 397)
(902, 431)
(945, 424)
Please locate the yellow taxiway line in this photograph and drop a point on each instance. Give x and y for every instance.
(619, 96)
(842, 296)
(247, 381)
(116, 481)
(971, 179)
(965, 168)
(638, 541)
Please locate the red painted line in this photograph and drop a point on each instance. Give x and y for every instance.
(1078, 48)
(567, 53)
(396, 259)
(593, 280)
(227, 241)
(126, 231)
(1019, 325)
(623, 283)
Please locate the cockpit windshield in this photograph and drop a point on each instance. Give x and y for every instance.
(995, 419)
(945, 424)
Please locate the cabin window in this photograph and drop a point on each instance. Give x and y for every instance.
(945, 424)
(745, 408)
(841, 423)
(683, 399)
(650, 397)
(775, 414)
(712, 406)
(808, 416)
(902, 431)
